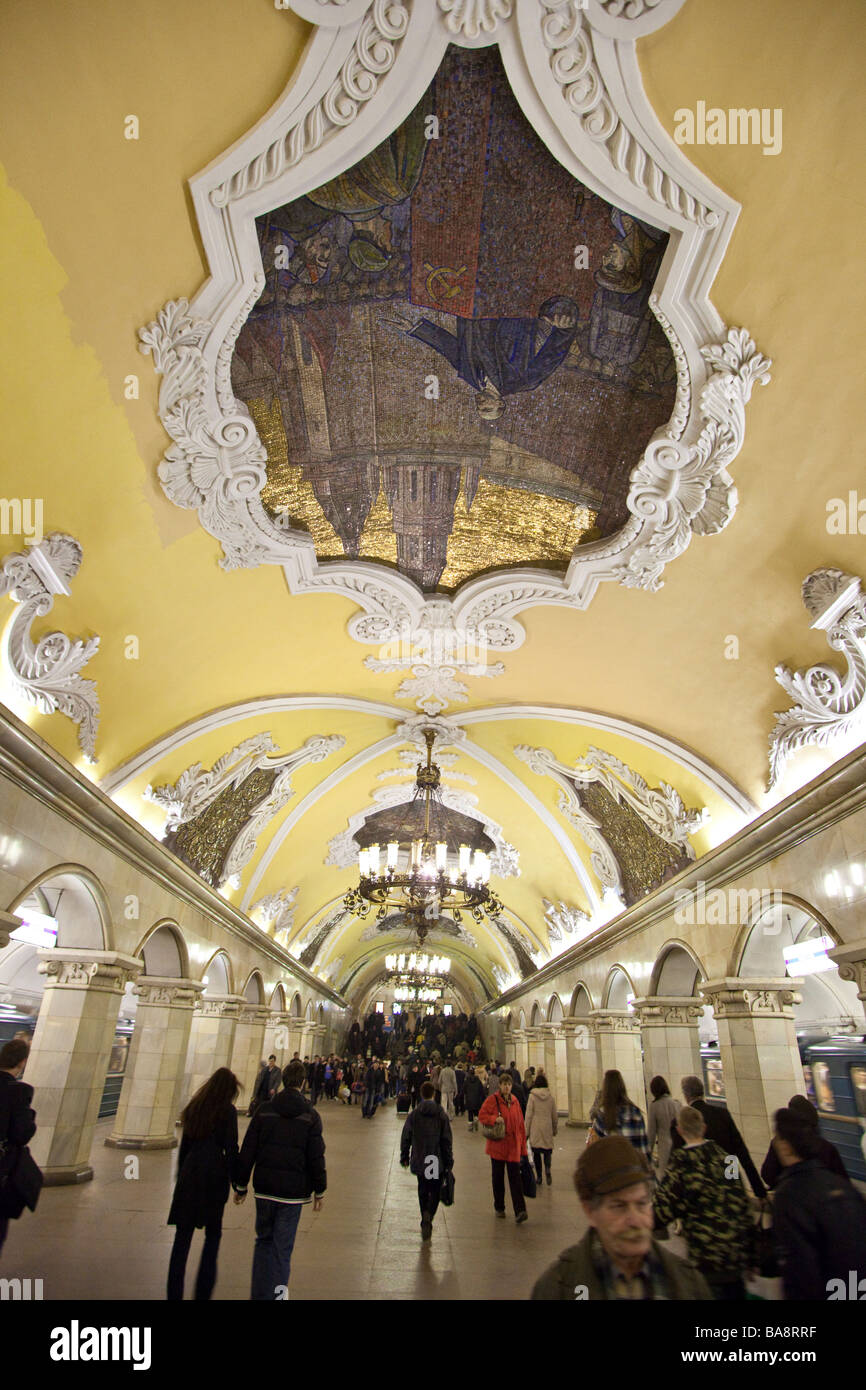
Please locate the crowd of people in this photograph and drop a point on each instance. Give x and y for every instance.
(635, 1178)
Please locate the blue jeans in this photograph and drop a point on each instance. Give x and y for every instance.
(276, 1228)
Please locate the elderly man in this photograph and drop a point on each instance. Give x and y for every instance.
(618, 1258)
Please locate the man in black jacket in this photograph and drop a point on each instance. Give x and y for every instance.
(426, 1148)
(721, 1128)
(819, 1220)
(284, 1150)
(17, 1119)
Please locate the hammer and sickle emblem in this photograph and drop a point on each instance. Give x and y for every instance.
(439, 284)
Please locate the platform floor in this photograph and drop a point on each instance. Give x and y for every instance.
(108, 1238)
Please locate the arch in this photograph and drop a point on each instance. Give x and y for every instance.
(508, 1022)
(163, 950)
(581, 1001)
(296, 1008)
(278, 1000)
(617, 987)
(554, 1009)
(81, 909)
(320, 1014)
(742, 961)
(677, 970)
(535, 1016)
(521, 1020)
(308, 1011)
(219, 975)
(254, 989)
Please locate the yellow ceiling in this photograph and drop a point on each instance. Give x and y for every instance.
(97, 232)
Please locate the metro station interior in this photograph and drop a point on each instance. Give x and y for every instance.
(412, 405)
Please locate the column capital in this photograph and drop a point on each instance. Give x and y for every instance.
(102, 971)
(8, 924)
(667, 1010)
(745, 997)
(219, 1005)
(167, 989)
(254, 1013)
(850, 957)
(614, 1021)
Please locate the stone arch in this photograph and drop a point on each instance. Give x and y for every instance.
(163, 950)
(742, 960)
(535, 1016)
(521, 1020)
(254, 989)
(320, 1013)
(296, 1007)
(677, 970)
(581, 1001)
(554, 1009)
(508, 1022)
(81, 909)
(616, 987)
(308, 1011)
(277, 1003)
(218, 973)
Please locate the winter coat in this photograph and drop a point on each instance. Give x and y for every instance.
(17, 1128)
(474, 1093)
(427, 1132)
(513, 1146)
(448, 1081)
(206, 1169)
(712, 1207)
(661, 1114)
(284, 1150)
(575, 1270)
(723, 1131)
(541, 1118)
(819, 1225)
(772, 1170)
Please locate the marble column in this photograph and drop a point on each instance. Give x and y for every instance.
(70, 1054)
(210, 1040)
(150, 1101)
(248, 1044)
(535, 1042)
(520, 1048)
(851, 960)
(277, 1038)
(671, 1043)
(549, 1033)
(618, 1048)
(8, 924)
(581, 1069)
(758, 1048)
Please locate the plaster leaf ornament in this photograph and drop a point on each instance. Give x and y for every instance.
(826, 706)
(563, 920)
(438, 651)
(278, 909)
(474, 17)
(48, 673)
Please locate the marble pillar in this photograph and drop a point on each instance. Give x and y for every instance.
(150, 1101)
(70, 1054)
(671, 1043)
(535, 1045)
(618, 1048)
(248, 1043)
(520, 1049)
(851, 961)
(210, 1040)
(581, 1069)
(758, 1049)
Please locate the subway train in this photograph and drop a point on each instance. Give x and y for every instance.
(834, 1069)
(14, 1021)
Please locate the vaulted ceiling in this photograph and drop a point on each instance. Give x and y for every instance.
(675, 685)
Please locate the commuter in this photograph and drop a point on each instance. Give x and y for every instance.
(434, 1077)
(710, 1201)
(528, 1079)
(506, 1153)
(661, 1116)
(317, 1079)
(474, 1094)
(460, 1097)
(771, 1168)
(448, 1088)
(819, 1219)
(721, 1129)
(284, 1151)
(617, 1114)
(380, 1083)
(426, 1147)
(542, 1122)
(617, 1258)
(371, 1080)
(518, 1090)
(515, 1074)
(329, 1079)
(23, 1180)
(206, 1168)
(492, 1079)
(414, 1082)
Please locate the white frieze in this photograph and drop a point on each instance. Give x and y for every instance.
(826, 706)
(48, 673)
(563, 920)
(278, 909)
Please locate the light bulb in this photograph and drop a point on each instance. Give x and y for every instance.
(441, 856)
(393, 854)
(463, 854)
(363, 863)
(374, 861)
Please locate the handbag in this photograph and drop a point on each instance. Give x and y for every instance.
(497, 1129)
(527, 1177)
(20, 1180)
(447, 1194)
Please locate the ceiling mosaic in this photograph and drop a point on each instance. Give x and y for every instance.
(453, 366)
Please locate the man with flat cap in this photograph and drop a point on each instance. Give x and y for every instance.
(618, 1258)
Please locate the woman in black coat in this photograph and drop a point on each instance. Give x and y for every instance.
(206, 1168)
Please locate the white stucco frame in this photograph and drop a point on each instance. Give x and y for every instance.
(573, 69)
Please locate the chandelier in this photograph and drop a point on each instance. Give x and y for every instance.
(435, 860)
(409, 994)
(418, 964)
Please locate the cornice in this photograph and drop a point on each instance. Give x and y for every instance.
(29, 762)
(831, 797)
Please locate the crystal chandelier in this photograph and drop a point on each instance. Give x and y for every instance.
(420, 964)
(435, 860)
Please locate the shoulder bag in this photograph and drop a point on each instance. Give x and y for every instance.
(497, 1129)
(20, 1180)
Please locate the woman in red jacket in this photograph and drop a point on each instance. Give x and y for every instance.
(506, 1153)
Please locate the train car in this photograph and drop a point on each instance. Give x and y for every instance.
(116, 1070)
(838, 1068)
(714, 1080)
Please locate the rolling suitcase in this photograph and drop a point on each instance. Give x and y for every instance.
(403, 1104)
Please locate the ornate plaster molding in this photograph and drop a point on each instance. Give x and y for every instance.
(660, 808)
(167, 992)
(563, 920)
(825, 705)
(614, 1021)
(657, 1011)
(102, 972)
(277, 910)
(47, 673)
(747, 998)
(574, 72)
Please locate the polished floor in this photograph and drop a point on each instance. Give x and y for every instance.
(108, 1238)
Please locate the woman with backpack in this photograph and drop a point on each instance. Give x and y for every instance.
(206, 1167)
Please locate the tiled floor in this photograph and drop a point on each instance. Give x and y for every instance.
(108, 1238)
